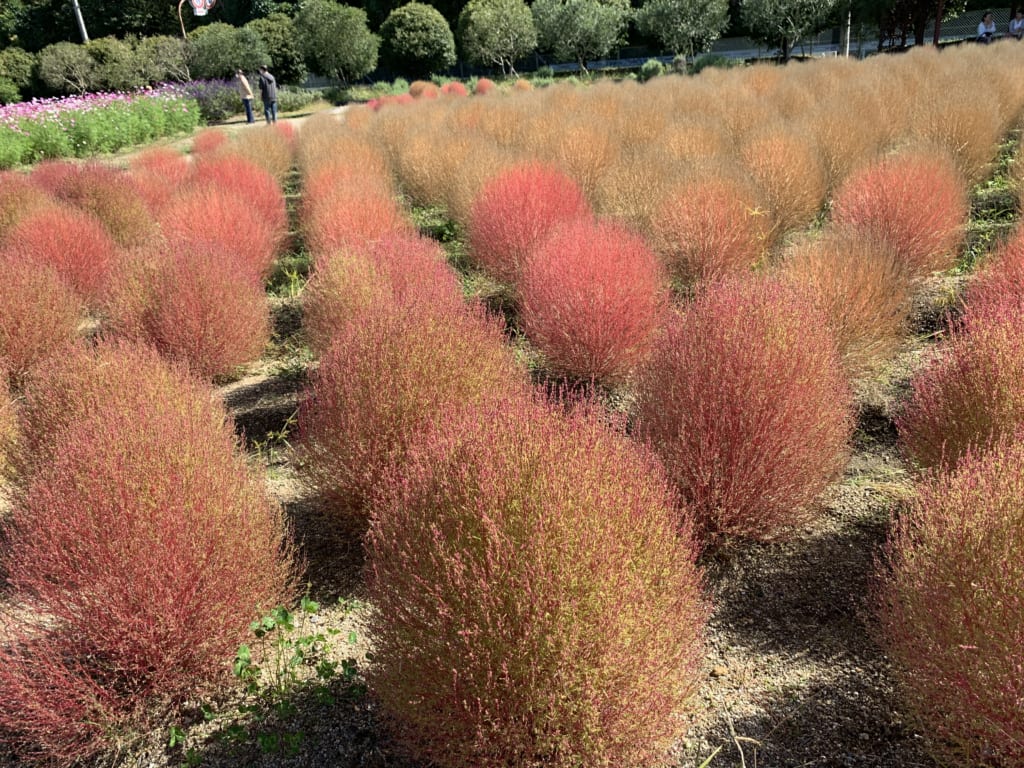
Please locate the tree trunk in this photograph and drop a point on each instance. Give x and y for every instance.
(938, 21)
(785, 49)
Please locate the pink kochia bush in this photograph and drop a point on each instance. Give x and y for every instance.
(340, 216)
(916, 202)
(536, 599)
(999, 287)
(146, 546)
(388, 375)
(192, 306)
(515, 211)
(18, 198)
(951, 608)
(398, 269)
(970, 393)
(746, 402)
(592, 296)
(39, 318)
(70, 241)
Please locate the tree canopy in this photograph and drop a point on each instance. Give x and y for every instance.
(497, 32)
(577, 30)
(337, 40)
(781, 23)
(417, 41)
(684, 27)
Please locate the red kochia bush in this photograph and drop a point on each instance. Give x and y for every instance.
(535, 601)
(515, 211)
(746, 402)
(72, 242)
(951, 608)
(209, 141)
(157, 174)
(254, 187)
(111, 195)
(191, 305)
(592, 297)
(147, 546)
(213, 220)
(999, 286)
(344, 215)
(710, 227)
(399, 269)
(970, 393)
(914, 201)
(18, 198)
(39, 318)
(484, 86)
(389, 374)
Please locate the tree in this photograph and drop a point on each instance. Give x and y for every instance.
(282, 43)
(66, 67)
(684, 27)
(497, 32)
(337, 40)
(417, 41)
(578, 30)
(217, 50)
(782, 23)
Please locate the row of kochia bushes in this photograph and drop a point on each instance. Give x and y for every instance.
(532, 568)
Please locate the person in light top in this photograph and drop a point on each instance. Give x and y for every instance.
(987, 28)
(1017, 25)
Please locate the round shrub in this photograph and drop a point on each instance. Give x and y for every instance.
(417, 41)
(157, 174)
(592, 296)
(650, 69)
(536, 602)
(484, 86)
(423, 89)
(40, 315)
(400, 270)
(515, 211)
(951, 608)
(389, 374)
(209, 141)
(745, 400)
(454, 88)
(970, 393)
(72, 242)
(710, 227)
(147, 537)
(861, 287)
(914, 201)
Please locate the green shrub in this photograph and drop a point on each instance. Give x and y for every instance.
(14, 148)
(66, 68)
(277, 31)
(163, 59)
(417, 41)
(217, 50)
(715, 60)
(651, 68)
(15, 73)
(117, 65)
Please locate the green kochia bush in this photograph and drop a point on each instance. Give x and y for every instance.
(146, 546)
(536, 598)
(951, 608)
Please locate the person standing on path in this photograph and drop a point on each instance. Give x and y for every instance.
(246, 90)
(268, 92)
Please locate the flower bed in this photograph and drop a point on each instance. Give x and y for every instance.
(80, 126)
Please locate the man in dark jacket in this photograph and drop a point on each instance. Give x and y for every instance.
(268, 92)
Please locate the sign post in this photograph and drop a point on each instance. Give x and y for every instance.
(199, 8)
